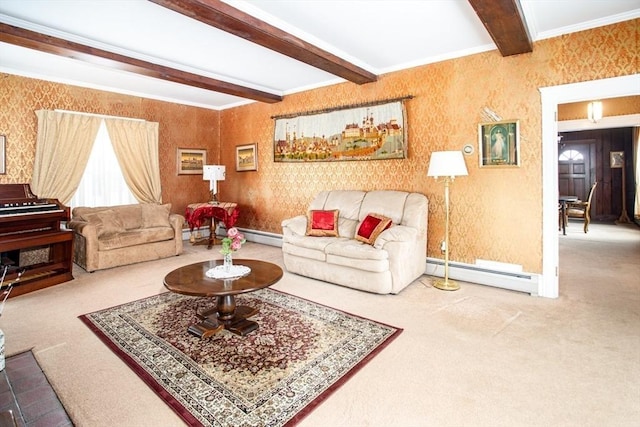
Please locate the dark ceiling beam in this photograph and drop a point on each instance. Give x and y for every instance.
(505, 22)
(44, 43)
(226, 18)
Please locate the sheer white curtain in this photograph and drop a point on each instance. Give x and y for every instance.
(102, 183)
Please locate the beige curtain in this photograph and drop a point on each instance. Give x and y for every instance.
(136, 146)
(63, 146)
(636, 165)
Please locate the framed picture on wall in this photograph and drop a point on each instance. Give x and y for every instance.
(499, 144)
(616, 159)
(3, 154)
(247, 157)
(190, 161)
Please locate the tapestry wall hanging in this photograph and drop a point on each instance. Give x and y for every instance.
(371, 132)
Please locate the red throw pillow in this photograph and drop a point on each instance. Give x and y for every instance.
(371, 227)
(322, 223)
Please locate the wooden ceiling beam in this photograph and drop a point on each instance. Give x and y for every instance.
(505, 22)
(49, 44)
(226, 18)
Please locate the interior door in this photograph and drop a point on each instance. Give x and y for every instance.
(575, 166)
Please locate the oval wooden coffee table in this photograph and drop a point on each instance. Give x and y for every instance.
(191, 280)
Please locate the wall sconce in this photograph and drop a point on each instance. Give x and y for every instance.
(594, 111)
(447, 165)
(213, 173)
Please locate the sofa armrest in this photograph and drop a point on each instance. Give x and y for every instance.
(87, 230)
(296, 226)
(177, 222)
(397, 233)
(85, 244)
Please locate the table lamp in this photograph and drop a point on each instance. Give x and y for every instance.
(448, 165)
(213, 173)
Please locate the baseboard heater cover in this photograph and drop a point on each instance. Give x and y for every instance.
(262, 237)
(522, 282)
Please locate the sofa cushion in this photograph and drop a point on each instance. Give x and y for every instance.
(371, 227)
(141, 236)
(301, 252)
(347, 201)
(131, 215)
(322, 223)
(155, 215)
(355, 250)
(107, 222)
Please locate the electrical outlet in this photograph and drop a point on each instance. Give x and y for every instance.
(443, 246)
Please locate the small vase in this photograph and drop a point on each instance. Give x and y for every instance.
(228, 262)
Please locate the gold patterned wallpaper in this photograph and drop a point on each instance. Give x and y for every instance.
(180, 126)
(496, 213)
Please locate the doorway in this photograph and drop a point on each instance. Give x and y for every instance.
(576, 162)
(551, 97)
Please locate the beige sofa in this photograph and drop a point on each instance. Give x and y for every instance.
(386, 265)
(106, 237)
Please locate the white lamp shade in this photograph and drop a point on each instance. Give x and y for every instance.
(213, 173)
(447, 163)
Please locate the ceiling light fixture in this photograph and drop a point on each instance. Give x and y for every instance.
(594, 111)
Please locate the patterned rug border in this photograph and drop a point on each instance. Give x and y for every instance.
(184, 413)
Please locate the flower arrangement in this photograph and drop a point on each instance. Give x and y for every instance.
(232, 242)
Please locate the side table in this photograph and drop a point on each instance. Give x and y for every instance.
(197, 214)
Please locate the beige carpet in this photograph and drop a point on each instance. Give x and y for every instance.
(479, 356)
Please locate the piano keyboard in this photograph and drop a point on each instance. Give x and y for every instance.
(9, 209)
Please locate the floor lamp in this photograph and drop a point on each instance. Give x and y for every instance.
(213, 173)
(446, 165)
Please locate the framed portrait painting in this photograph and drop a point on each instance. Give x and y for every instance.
(247, 157)
(190, 161)
(616, 159)
(499, 144)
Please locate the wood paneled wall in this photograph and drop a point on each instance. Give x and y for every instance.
(607, 202)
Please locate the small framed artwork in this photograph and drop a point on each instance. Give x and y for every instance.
(499, 144)
(3, 154)
(616, 159)
(190, 161)
(247, 157)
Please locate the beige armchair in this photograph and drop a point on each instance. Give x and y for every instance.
(581, 209)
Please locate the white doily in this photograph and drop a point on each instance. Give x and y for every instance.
(235, 271)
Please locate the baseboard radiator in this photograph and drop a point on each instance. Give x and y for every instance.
(522, 282)
(262, 237)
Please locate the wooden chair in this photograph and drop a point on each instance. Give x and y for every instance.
(582, 209)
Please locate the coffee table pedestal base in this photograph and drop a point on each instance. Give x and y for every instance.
(225, 316)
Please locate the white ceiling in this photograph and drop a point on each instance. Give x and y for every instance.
(377, 35)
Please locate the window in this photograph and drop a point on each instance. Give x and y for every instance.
(567, 155)
(102, 183)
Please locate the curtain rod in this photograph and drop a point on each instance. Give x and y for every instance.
(104, 116)
(344, 107)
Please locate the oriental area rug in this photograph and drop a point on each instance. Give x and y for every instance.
(274, 376)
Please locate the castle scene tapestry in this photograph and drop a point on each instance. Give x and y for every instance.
(372, 132)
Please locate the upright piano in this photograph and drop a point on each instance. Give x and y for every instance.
(33, 246)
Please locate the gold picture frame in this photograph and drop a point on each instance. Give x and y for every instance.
(616, 159)
(190, 161)
(499, 144)
(247, 157)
